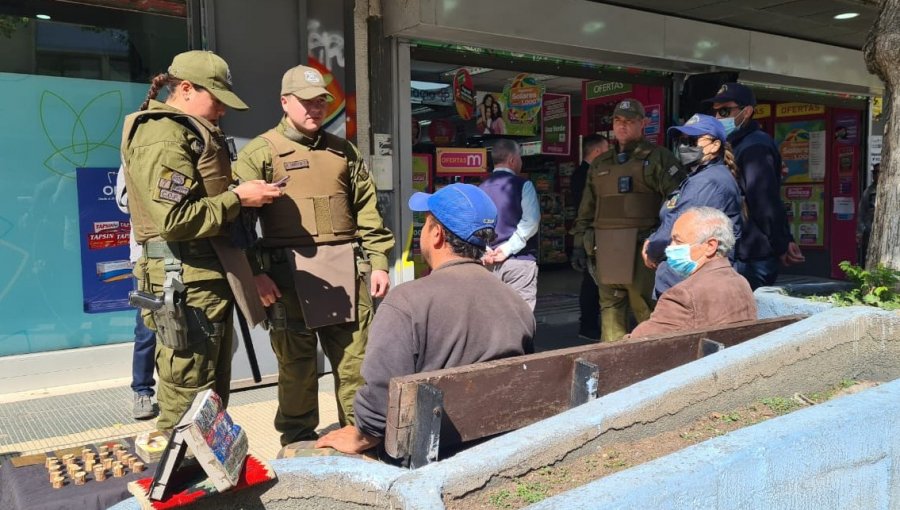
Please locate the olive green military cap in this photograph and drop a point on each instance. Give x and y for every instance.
(305, 83)
(630, 108)
(208, 70)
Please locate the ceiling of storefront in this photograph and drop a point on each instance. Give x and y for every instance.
(812, 20)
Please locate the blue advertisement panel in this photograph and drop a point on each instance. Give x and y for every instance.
(105, 229)
(52, 126)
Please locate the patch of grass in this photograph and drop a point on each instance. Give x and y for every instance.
(780, 405)
(531, 492)
(847, 383)
(613, 461)
(501, 499)
(730, 418)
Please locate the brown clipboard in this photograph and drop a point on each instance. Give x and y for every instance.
(325, 281)
(615, 255)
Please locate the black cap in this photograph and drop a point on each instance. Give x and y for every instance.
(740, 94)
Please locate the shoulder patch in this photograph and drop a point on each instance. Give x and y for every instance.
(171, 196)
(197, 147)
(673, 170)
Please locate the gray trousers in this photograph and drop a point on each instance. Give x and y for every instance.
(521, 275)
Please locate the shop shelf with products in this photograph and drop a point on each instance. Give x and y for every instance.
(544, 172)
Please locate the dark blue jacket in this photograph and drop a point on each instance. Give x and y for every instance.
(766, 233)
(712, 185)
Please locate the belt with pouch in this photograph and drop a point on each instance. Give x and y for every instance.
(178, 249)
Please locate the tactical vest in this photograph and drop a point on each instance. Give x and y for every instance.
(214, 167)
(637, 208)
(214, 164)
(316, 206)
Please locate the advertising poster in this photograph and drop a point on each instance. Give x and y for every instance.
(421, 170)
(464, 94)
(654, 124)
(846, 128)
(104, 231)
(805, 208)
(802, 147)
(556, 124)
(488, 112)
(523, 107)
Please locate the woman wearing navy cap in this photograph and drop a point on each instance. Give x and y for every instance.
(712, 182)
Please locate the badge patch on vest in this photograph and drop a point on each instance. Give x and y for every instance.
(670, 204)
(197, 147)
(673, 170)
(296, 165)
(173, 187)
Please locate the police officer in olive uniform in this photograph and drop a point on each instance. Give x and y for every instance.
(619, 209)
(183, 206)
(320, 244)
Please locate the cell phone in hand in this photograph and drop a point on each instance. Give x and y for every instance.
(282, 182)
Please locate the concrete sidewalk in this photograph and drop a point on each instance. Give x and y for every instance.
(60, 417)
(48, 419)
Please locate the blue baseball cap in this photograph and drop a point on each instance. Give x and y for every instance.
(463, 208)
(700, 125)
(740, 94)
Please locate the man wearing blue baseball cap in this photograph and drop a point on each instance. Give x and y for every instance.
(450, 318)
(766, 237)
(702, 151)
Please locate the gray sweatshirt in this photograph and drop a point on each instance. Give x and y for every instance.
(458, 315)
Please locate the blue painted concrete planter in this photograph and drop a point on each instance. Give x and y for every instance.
(779, 462)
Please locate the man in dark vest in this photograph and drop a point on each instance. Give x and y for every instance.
(513, 256)
(323, 255)
(626, 187)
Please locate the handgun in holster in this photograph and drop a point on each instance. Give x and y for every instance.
(171, 319)
(363, 264)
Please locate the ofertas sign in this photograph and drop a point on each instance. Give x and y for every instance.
(598, 89)
(451, 160)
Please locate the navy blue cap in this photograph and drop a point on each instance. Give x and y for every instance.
(700, 125)
(463, 208)
(740, 94)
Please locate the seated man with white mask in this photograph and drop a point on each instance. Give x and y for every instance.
(712, 293)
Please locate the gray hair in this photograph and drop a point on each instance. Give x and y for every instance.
(714, 224)
(503, 149)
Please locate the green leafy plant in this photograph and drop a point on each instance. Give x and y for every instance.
(501, 499)
(876, 287)
(531, 492)
(780, 405)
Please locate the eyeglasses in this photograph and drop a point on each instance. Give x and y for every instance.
(725, 111)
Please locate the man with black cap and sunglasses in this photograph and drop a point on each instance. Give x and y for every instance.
(766, 236)
(460, 314)
(620, 206)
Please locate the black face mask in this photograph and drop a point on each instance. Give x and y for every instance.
(689, 155)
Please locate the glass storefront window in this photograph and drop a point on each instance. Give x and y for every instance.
(66, 83)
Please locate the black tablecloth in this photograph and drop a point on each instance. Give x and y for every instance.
(28, 487)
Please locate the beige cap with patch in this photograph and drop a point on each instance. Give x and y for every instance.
(304, 82)
(210, 71)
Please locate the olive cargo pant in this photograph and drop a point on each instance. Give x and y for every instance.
(205, 364)
(615, 299)
(295, 348)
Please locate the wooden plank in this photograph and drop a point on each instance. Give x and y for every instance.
(489, 398)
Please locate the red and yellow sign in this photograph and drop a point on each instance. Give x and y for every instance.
(452, 160)
(762, 111)
(798, 109)
(464, 94)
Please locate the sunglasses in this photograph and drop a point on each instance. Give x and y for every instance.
(725, 111)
